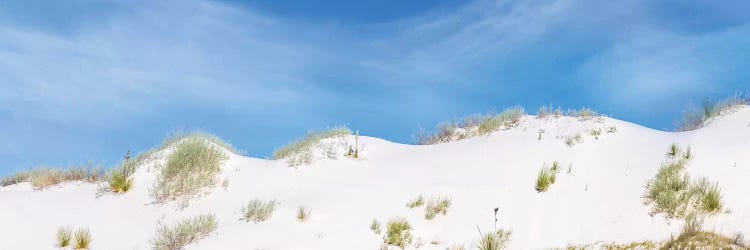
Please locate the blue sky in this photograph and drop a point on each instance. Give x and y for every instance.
(87, 80)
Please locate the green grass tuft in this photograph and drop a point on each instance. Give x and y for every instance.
(436, 206)
(187, 231)
(417, 202)
(546, 178)
(473, 125)
(303, 214)
(375, 226)
(301, 151)
(41, 178)
(258, 211)
(494, 240)
(191, 168)
(64, 236)
(82, 239)
(398, 233)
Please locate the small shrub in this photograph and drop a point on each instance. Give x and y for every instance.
(668, 190)
(417, 202)
(436, 206)
(303, 214)
(178, 236)
(375, 226)
(398, 233)
(494, 240)
(258, 211)
(545, 178)
(82, 239)
(64, 235)
(473, 125)
(119, 182)
(191, 168)
(572, 140)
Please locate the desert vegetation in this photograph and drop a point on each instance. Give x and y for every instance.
(546, 177)
(674, 194)
(573, 140)
(473, 125)
(436, 206)
(695, 116)
(41, 178)
(64, 236)
(258, 210)
(398, 233)
(82, 239)
(375, 226)
(187, 231)
(303, 214)
(416, 202)
(191, 168)
(302, 151)
(494, 240)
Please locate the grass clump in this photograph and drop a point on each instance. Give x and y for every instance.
(546, 178)
(375, 226)
(303, 214)
(120, 180)
(436, 206)
(191, 168)
(417, 202)
(82, 239)
(583, 113)
(573, 140)
(695, 116)
(258, 211)
(41, 178)
(472, 125)
(398, 233)
(596, 133)
(494, 240)
(184, 232)
(301, 151)
(64, 236)
(672, 193)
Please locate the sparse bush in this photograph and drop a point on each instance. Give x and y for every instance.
(375, 226)
(398, 233)
(547, 110)
(41, 178)
(179, 235)
(257, 210)
(64, 235)
(192, 167)
(82, 239)
(417, 202)
(494, 240)
(436, 206)
(545, 178)
(119, 182)
(301, 151)
(303, 214)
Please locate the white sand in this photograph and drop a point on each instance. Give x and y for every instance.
(600, 200)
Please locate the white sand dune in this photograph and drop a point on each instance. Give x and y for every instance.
(599, 200)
